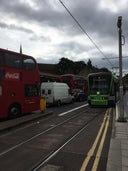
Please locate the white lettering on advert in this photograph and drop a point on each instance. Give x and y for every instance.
(12, 76)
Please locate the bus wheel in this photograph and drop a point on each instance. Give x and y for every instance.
(14, 110)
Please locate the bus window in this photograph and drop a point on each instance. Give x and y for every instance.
(1, 59)
(29, 64)
(31, 90)
(1, 75)
(75, 81)
(13, 61)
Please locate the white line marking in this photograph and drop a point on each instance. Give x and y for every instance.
(64, 113)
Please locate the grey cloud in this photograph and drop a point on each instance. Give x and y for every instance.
(14, 27)
(86, 12)
(99, 23)
(71, 46)
(35, 37)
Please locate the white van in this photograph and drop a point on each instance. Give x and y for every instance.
(56, 93)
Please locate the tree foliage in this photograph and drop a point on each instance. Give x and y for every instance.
(66, 66)
(89, 63)
(79, 66)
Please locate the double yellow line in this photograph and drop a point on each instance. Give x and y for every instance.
(104, 126)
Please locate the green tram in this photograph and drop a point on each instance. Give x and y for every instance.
(102, 89)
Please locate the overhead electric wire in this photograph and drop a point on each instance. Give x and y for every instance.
(116, 57)
(85, 32)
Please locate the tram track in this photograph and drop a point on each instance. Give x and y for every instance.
(52, 154)
(74, 124)
(39, 134)
(14, 123)
(102, 133)
(30, 121)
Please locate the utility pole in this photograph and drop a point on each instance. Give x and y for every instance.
(121, 105)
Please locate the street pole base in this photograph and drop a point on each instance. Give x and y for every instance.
(121, 119)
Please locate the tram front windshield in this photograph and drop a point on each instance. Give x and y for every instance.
(99, 84)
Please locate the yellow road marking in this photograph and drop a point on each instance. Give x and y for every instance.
(91, 151)
(98, 155)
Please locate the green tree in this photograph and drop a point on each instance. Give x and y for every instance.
(89, 63)
(79, 66)
(65, 66)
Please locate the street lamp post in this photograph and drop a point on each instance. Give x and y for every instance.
(121, 105)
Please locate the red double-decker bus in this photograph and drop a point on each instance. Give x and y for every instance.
(75, 81)
(19, 84)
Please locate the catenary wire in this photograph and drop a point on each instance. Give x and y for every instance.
(85, 32)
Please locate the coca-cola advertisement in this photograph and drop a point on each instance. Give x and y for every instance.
(12, 76)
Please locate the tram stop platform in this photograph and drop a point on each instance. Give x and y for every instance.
(118, 151)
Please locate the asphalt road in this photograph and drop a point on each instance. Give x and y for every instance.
(73, 138)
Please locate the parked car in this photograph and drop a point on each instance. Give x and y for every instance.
(79, 95)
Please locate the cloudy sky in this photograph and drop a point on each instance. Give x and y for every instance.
(46, 30)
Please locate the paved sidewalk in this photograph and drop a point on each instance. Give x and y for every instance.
(118, 151)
